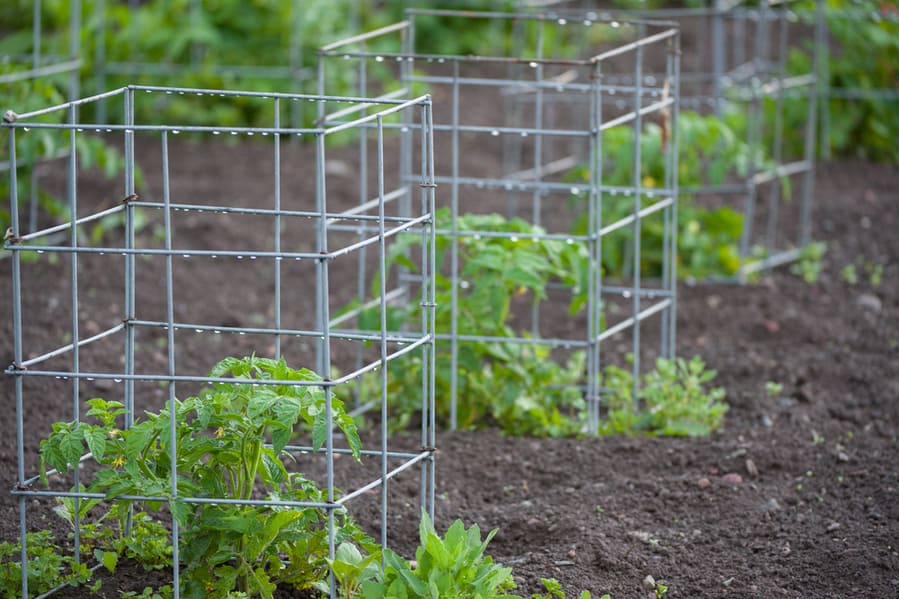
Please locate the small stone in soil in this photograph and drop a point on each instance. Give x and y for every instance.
(703, 483)
(833, 526)
(649, 583)
(869, 301)
(732, 478)
(751, 468)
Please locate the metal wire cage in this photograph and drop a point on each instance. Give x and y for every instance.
(552, 175)
(738, 65)
(155, 350)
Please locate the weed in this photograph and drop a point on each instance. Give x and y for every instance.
(671, 400)
(47, 568)
(773, 389)
(810, 263)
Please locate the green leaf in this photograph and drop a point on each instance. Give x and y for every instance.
(96, 442)
(109, 559)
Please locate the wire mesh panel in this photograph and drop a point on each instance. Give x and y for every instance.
(552, 243)
(146, 357)
(748, 127)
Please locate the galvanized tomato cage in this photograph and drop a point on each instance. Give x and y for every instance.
(544, 93)
(288, 316)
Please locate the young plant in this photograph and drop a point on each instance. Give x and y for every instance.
(230, 439)
(452, 566)
(47, 568)
(710, 151)
(811, 262)
(671, 400)
(520, 387)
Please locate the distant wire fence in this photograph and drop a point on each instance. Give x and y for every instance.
(309, 257)
(554, 214)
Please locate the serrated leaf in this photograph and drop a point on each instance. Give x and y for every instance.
(96, 442)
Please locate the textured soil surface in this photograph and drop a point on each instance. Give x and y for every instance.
(797, 496)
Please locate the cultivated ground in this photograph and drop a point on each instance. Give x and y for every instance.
(797, 496)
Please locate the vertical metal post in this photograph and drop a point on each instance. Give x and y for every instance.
(129, 269)
(170, 338)
(100, 57)
(295, 61)
(718, 56)
(754, 120)
(277, 240)
(536, 199)
(17, 356)
(671, 183)
(594, 277)
(638, 225)
(774, 194)
(74, 47)
(361, 262)
(72, 195)
(454, 254)
(424, 271)
(382, 293)
(325, 341)
(811, 141)
(822, 74)
(431, 301)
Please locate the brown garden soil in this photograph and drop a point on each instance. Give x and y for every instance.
(796, 496)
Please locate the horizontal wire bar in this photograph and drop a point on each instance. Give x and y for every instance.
(644, 212)
(372, 203)
(380, 481)
(168, 128)
(164, 499)
(420, 100)
(68, 225)
(65, 106)
(519, 185)
(354, 109)
(184, 378)
(350, 214)
(373, 240)
(400, 25)
(632, 115)
(43, 71)
(642, 315)
(390, 296)
(549, 168)
(783, 170)
(426, 340)
(266, 95)
(343, 335)
(645, 41)
(186, 253)
(529, 16)
(771, 261)
(154, 68)
(543, 341)
(67, 348)
(512, 84)
(344, 451)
